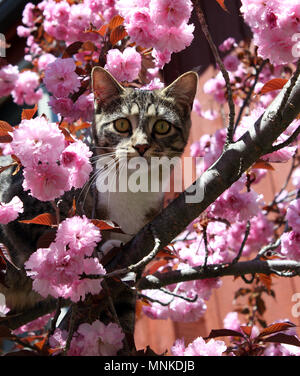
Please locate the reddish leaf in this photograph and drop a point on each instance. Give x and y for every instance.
(67, 134)
(274, 84)
(156, 265)
(139, 306)
(247, 330)
(263, 165)
(72, 49)
(45, 219)
(117, 34)
(29, 113)
(224, 333)
(4, 254)
(88, 46)
(103, 29)
(165, 254)
(115, 22)
(222, 4)
(283, 338)
(104, 225)
(275, 328)
(4, 129)
(266, 280)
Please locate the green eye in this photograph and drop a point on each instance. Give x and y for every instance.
(122, 125)
(161, 127)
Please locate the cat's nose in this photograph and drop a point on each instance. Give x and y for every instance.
(141, 148)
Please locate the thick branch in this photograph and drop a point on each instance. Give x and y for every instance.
(159, 280)
(236, 159)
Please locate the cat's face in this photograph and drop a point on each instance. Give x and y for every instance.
(133, 123)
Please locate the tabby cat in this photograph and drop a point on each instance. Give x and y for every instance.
(128, 123)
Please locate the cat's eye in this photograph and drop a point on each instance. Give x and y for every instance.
(122, 125)
(161, 127)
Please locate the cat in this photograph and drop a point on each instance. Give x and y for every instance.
(128, 123)
(131, 123)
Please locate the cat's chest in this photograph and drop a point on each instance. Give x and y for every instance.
(130, 210)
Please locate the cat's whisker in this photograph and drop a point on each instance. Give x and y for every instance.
(91, 180)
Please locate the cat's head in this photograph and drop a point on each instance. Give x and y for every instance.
(149, 123)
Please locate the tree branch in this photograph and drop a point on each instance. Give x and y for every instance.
(285, 268)
(213, 182)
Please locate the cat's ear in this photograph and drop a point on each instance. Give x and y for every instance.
(183, 88)
(105, 87)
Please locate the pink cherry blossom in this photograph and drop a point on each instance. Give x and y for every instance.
(141, 28)
(96, 339)
(231, 321)
(296, 178)
(123, 66)
(8, 77)
(199, 348)
(37, 141)
(28, 17)
(46, 182)
(78, 233)
(273, 24)
(44, 60)
(75, 157)
(62, 106)
(231, 63)
(84, 107)
(60, 77)
(170, 12)
(227, 44)
(290, 245)
(26, 89)
(174, 38)
(293, 215)
(10, 211)
(57, 270)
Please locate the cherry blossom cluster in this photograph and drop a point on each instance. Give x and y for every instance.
(159, 24)
(273, 23)
(58, 270)
(11, 210)
(96, 339)
(51, 164)
(199, 348)
(291, 240)
(23, 86)
(62, 81)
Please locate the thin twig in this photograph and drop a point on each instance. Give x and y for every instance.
(152, 300)
(205, 245)
(132, 268)
(225, 74)
(238, 256)
(249, 94)
(287, 142)
(190, 300)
